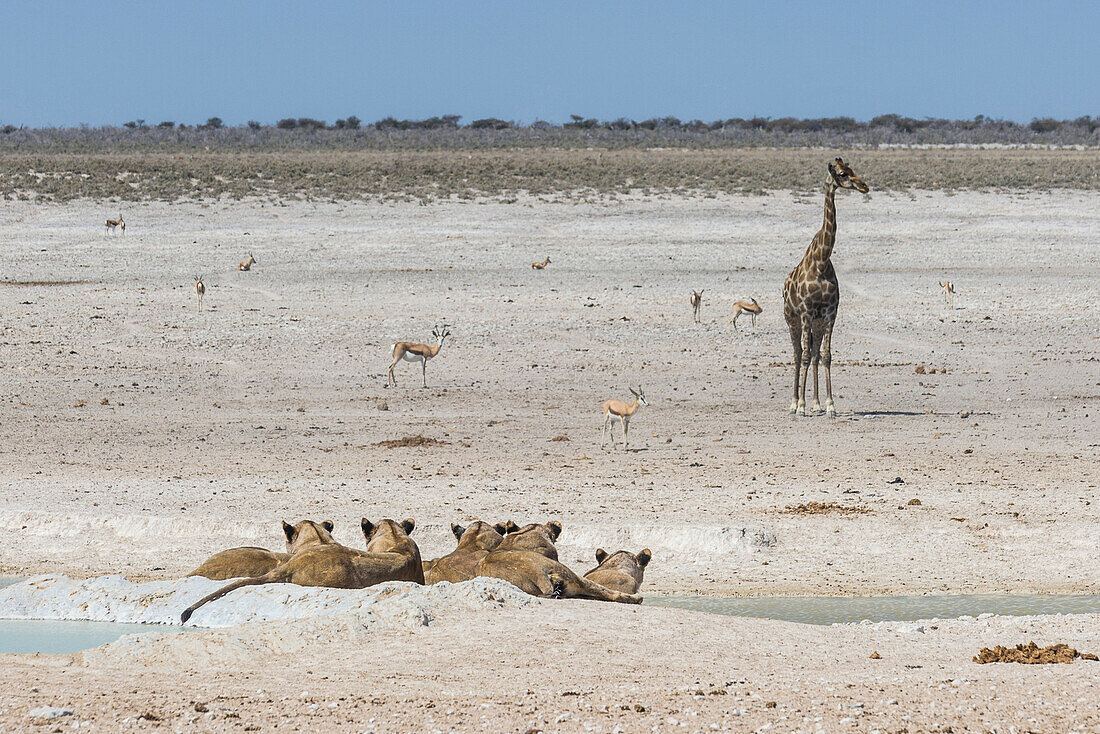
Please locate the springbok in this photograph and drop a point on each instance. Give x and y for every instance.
(411, 352)
(247, 264)
(696, 302)
(749, 307)
(200, 289)
(948, 290)
(613, 409)
(112, 224)
(541, 265)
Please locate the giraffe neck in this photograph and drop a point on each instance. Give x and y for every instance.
(821, 249)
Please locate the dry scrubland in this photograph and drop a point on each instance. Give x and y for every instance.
(555, 175)
(139, 435)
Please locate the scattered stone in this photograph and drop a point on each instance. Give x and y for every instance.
(560, 437)
(104, 401)
(639, 708)
(876, 656)
(1031, 654)
(50, 712)
(383, 405)
(920, 369)
(913, 502)
(770, 705)
(896, 480)
(418, 440)
(301, 409)
(200, 707)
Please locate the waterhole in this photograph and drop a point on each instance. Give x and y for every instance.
(835, 609)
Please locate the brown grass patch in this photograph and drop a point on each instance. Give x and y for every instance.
(1031, 654)
(823, 508)
(396, 443)
(31, 283)
(560, 437)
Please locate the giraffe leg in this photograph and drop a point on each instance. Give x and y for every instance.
(827, 358)
(807, 355)
(796, 341)
(816, 356)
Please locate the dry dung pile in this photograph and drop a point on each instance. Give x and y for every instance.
(823, 508)
(1031, 654)
(395, 443)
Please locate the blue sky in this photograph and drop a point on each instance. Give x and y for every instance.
(66, 63)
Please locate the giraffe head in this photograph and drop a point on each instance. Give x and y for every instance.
(845, 177)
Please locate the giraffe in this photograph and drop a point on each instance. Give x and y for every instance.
(811, 297)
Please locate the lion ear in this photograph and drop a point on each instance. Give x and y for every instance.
(501, 528)
(555, 529)
(327, 525)
(457, 530)
(511, 526)
(368, 527)
(408, 525)
(288, 531)
(601, 555)
(644, 556)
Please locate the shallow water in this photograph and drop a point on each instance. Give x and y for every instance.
(830, 610)
(53, 636)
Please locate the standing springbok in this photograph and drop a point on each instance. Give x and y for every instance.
(200, 289)
(696, 302)
(411, 352)
(112, 224)
(541, 265)
(247, 264)
(613, 409)
(948, 290)
(749, 307)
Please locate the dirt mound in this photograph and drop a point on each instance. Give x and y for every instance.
(394, 443)
(823, 508)
(1031, 654)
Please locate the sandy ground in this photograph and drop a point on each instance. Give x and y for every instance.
(140, 435)
(570, 666)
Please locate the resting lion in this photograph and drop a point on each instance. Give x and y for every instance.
(538, 538)
(474, 543)
(250, 561)
(621, 570)
(541, 576)
(390, 556)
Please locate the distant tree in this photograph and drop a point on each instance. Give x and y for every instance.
(1045, 125)
(214, 123)
(581, 123)
(353, 122)
(131, 124)
(308, 123)
(253, 125)
(166, 124)
(490, 123)
(287, 123)
(8, 129)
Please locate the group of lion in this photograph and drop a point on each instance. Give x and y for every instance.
(524, 556)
